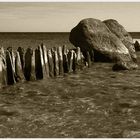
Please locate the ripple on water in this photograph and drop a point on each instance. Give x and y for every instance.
(95, 102)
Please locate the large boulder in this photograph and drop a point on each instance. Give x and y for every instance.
(123, 35)
(93, 35)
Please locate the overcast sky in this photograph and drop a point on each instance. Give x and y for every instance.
(62, 17)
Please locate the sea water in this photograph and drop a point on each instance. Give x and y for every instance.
(95, 102)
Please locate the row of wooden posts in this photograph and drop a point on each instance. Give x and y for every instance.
(39, 63)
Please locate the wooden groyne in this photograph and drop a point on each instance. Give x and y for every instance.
(39, 63)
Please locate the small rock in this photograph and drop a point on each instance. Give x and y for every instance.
(124, 66)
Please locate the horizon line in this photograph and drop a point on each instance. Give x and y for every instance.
(59, 32)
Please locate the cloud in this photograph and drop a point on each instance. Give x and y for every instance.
(63, 16)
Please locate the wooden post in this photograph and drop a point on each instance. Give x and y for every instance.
(4, 66)
(74, 65)
(38, 64)
(18, 68)
(78, 59)
(78, 52)
(22, 58)
(33, 73)
(3, 73)
(88, 60)
(51, 63)
(83, 59)
(10, 71)
(2, 53)
(56, 63)
(42, 62)
(60, 59)
(29, 69)
(65, 60)
(92, 55)
(70, 60)
(45, 58)
(10, 49)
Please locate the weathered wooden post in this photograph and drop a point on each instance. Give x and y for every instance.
(65, 60)
(4, 66)
(60, 59)
(22, 58)
(78, 52)
(1, 73)
(10, 49)
(56, 63)
(79, 59)
(52, 50)
(88, 60)
(3, 70)
(70, 60)
(2, 53)
(33, 73)
(92, 55)
(83, 60)
(51, 63)
(45, 58)
(74, 65)
(38, 64)
(18, 68)
(29, 69)
(10, 69)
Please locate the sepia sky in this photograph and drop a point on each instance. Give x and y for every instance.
(62, 17)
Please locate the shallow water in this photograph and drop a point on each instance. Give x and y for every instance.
(95, 102)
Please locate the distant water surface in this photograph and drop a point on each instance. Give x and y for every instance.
(34, 39)
(51, 39)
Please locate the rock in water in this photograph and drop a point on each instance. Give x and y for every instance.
(137, 46)
(93, 35)
(123, 35)
(124, 66)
